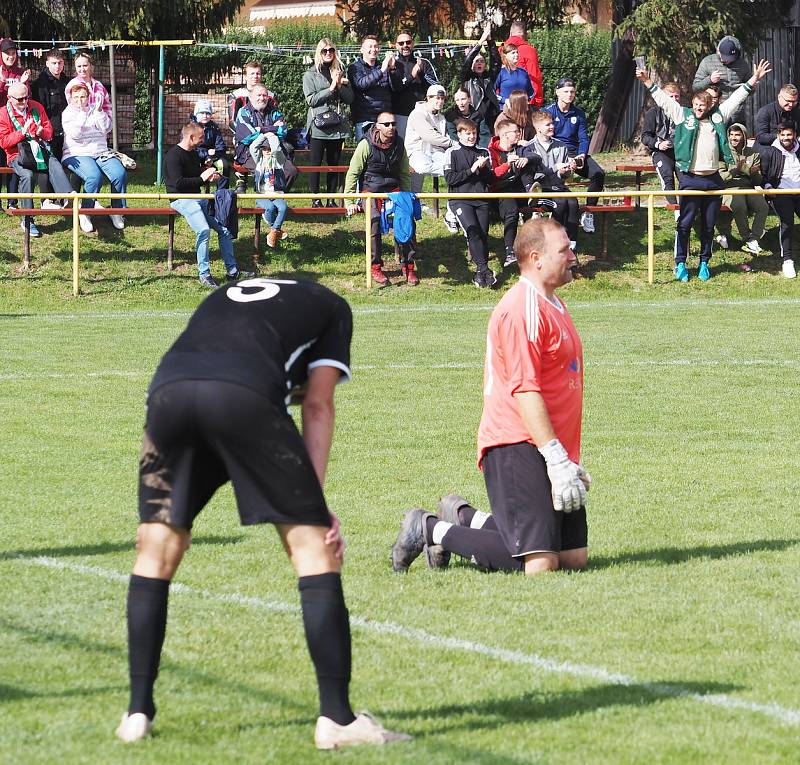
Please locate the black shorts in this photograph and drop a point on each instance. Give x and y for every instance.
(522, 503)
(201, 433)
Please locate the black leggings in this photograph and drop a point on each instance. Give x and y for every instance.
(473, 217)
(331, 148)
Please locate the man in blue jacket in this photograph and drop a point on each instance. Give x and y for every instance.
(570, 128)
(372, 84)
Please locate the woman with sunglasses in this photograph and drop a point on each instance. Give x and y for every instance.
(327, 90)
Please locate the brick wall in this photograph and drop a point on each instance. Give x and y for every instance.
(178, 107)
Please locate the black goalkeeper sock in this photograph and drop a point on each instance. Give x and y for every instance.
(483, 547)
(327, 626)
(147, 624)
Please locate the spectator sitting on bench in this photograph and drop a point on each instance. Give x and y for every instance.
(184, 174)
(463, 109)
(259, 115)
(212, 152)
(24, 126)
(426, 137)
(270, 178)
(236, 100)
(518, 110)
(570, 128)
(86, 153)
(556, 166)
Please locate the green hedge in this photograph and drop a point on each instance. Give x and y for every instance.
(565, 51)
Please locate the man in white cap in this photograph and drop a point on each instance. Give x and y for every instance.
(728, 68)
(426, 137)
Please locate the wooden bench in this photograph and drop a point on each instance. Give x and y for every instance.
(66, 212)
(604, 210)
(638, 170)
(259, 211)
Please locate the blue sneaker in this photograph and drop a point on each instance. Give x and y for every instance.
(703, 274)
(681, 274)
(35, 233)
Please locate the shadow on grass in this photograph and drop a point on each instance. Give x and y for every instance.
(10, 693)
(663, 556)
(105, 548)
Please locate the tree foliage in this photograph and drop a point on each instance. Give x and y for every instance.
(116, 19)
(445, 17)
(675, 36)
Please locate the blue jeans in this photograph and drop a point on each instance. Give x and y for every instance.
(274, 211)
(94, 171)
(55, 173)
(196, 213)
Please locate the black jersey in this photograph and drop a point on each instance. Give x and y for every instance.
(266, 334)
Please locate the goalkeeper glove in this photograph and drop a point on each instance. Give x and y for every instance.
(569, 482)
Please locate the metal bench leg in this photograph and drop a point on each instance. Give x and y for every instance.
(257, 239)
(26, 244)
(605, 237)
(170, 241)
(436, 201)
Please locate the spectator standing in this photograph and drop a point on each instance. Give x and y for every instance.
(658, 135)
(86, 153)
(511, 76)
(380, 164)
(528, 60)
(780, 167)
(184, 174)
(24, 123)
(463, 109)
(11, 72)
(327, 90)
(426, 137)
(779, 112)
(468, 168)
(743, 173)
(212, 152)
(98, 95)
(570, 128)
(371, 85)
(49, 90)
(414, 75)
(726, 68)
(478, 79)
(701, 143)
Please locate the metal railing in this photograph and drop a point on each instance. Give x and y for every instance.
(650, 207)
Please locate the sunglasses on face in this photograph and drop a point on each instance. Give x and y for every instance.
(405, 42)
(19, 98)
(388, 124)
(329, 50)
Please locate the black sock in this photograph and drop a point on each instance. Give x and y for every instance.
(465, 514)
(327, 626)
(147, 623)
(430, 522)
(484, 547)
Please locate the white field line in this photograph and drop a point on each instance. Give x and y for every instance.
(785, 715)
(445, 365)
(637, 305)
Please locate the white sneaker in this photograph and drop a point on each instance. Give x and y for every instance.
(788, 269)
(722, 241)
(86, 224)
(752, 246)
(587, 222)
(451, 221)
(49, 204)
(365, 729)
(118, 222)
(134, 727)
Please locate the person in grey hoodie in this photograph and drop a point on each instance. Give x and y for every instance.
(727, 68)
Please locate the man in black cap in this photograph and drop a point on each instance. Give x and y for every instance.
(728, 68)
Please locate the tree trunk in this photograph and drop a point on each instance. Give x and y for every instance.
(605, 131)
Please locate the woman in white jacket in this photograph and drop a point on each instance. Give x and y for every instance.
(86, 152)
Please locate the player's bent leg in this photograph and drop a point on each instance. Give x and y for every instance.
(538, 563)
(574, 560)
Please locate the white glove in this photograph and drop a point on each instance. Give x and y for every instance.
(568, 480)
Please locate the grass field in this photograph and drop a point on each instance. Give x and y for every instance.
(679, 644)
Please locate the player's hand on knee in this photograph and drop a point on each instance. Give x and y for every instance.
(334, 537)
(567, 478)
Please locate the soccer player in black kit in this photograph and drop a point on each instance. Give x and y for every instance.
(217, 411)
